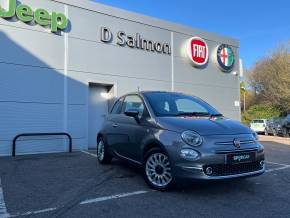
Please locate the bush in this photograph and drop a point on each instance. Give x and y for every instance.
(260, 112)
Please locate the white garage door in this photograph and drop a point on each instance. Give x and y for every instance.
(99, 97)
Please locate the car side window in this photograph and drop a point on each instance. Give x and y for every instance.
(133, 102)
(117, 107)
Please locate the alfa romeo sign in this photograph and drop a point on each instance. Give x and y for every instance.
(225, 57)
(197, 51)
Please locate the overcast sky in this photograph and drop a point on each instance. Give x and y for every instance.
(260, 25)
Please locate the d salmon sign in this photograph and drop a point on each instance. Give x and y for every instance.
(197, 51)
(225, 57)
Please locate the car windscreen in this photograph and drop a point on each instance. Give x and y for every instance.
(257, 121)
(175, 104)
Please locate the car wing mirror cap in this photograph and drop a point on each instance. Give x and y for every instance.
(133, 113)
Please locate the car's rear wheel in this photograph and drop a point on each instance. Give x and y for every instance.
(285, 132)
(157, 170)
(102, 152)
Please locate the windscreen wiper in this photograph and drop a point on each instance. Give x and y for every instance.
(194, 114)
(216, 115)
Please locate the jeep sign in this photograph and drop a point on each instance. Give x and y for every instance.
(56, 21)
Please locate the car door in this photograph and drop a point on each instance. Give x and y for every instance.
(135, 132)
(287, 121)
(269, 126)
(114, 136)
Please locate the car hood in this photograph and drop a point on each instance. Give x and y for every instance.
(203, 126)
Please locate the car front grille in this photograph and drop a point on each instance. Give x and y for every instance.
(232, 169)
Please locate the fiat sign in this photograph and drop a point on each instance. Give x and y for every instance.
(197, 51)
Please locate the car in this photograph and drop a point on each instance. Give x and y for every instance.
(275, 126)
(260, 126)
(175, 137)
(286, 126)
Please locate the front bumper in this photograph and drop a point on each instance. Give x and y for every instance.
(219, 167)
(258, 129)
(199, 173)
(213, 153)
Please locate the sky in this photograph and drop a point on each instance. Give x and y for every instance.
(259, 25)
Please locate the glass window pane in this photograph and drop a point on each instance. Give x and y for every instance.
(133, 102)
(174, 104)
(187, 105)
(117, 107)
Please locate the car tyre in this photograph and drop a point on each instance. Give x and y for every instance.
(157, 170)
(285, 132)
(103, 154)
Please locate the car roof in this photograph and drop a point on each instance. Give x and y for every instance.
(259, 119)
(148, 91)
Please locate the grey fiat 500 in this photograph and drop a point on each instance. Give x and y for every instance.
(176, 136)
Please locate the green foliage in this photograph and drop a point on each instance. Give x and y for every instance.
(270, 78)
(260, 111)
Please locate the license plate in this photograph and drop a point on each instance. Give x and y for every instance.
(241, 158)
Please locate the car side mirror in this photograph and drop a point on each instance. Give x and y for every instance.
(133, 113)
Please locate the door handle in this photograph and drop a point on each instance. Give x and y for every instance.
(115, 125)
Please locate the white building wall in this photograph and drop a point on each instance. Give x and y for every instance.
(44, 81)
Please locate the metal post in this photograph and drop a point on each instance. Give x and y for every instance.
(244, 101)
(40, 134)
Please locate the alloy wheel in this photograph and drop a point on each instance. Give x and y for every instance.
(101, 150)
(158, 170)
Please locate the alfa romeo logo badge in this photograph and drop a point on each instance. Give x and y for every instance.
(225, 57)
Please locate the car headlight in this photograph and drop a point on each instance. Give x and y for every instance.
(191, 138)
(188, 154)
(255, 135)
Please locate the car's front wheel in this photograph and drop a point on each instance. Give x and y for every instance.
(285, 132)
(157, 170)
(102, 152)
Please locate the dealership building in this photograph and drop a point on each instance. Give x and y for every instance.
(63, 62)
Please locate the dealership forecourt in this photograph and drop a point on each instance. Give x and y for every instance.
(74, 185)
(63, 63)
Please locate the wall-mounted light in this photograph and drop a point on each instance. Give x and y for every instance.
(235, 73)
(106, 95)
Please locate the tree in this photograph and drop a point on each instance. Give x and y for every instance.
(247, 95)
(270, 79)
(264, 111)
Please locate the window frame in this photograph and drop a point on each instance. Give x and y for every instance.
(145, 114)
(121, 100)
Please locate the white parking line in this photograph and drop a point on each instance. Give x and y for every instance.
(276, 169)
(106, 198)
(90, 201)
(3, 209)
(277, 163)
(33, 212)
(283, 166)
(89, 153)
